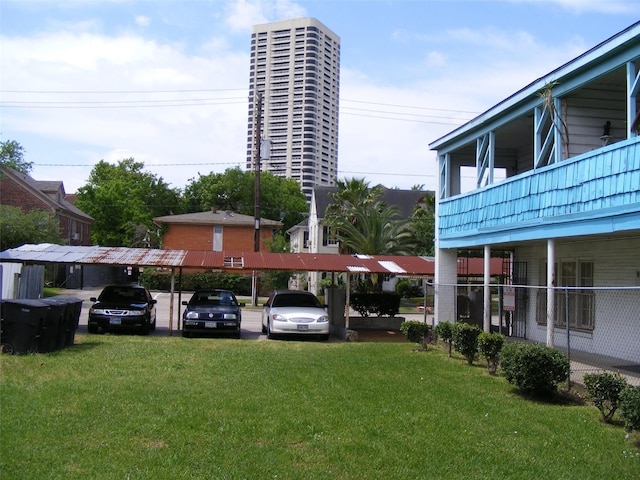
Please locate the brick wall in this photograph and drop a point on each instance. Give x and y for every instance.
(12, 193)
(200, 237)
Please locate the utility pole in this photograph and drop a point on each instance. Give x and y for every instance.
(257, 127)
(256, 166)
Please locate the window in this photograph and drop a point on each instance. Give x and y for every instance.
(576, 303)
(217, 238)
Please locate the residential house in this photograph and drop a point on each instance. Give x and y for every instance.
(312, 236)
(214, 230)
(20, 190)
(557, 184)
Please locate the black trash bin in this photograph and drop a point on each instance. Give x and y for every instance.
(68, 309)
(23, 325)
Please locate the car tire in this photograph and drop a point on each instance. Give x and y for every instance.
(153, 325)
(186, 334)
(93, 328)
(324, 338)
(270, 335)
(264, 329)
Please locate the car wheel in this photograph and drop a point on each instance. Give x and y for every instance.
(153, 325)
(324, 338)
(270, 334)
(146, 328)
(264, 329)
(93, 328)
(186, 334)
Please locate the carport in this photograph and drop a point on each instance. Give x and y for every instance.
(231, 262)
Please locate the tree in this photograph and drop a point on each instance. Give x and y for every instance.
(12, 156)
(280, 198)
(18, 228)
(374, 230)
(123, 199)
(423, 223)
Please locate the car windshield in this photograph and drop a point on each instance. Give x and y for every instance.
(127, 295)
(213, 298)
(295, 300)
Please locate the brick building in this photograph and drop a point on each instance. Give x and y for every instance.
(214, 230)
(20, 190)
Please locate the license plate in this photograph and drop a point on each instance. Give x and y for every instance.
(210, 324)
(115, 321)
(303, 328)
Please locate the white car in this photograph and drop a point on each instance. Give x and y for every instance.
(298, 312)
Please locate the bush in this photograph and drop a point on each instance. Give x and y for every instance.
(417, 332)
(604, 391)
(630, 408)
(534, 368)
(158, 280)
(380, 304)
(490, 345)
(465, 340)
(445, 331)
(407, 289)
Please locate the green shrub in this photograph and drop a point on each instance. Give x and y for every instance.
(630, 408)
(159, 280)
(417, 332)
(407, 289)
(465, 340)
(379, 304)
(604, 391)
(534, 368)
(490, 345)
(444, 330)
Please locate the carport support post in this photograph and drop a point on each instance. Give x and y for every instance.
(173, 288)
(348, 303)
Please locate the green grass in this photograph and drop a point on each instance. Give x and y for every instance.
(131, 407)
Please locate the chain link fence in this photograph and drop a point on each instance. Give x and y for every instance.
(597, 327)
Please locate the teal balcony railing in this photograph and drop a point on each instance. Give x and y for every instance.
(596, 192)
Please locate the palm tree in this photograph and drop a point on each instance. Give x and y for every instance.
(375, 230)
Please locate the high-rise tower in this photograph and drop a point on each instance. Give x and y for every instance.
(295, 66)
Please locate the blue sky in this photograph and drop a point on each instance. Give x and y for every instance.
(166, 81)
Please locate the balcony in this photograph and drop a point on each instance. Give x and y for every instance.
(597, 192)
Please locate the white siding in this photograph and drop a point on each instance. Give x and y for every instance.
(617, 321)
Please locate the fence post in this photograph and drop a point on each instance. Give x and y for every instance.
(566, 321)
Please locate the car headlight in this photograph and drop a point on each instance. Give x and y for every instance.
(134, 313)
(98, 311)
(229, 316)
(323, 319)
(279, 318)
(191, 314)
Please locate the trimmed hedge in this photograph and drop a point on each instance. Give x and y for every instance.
(417, 332)
(534, 368)
(379, 304)
(157, 280)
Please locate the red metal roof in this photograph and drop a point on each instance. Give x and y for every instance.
(239, 261)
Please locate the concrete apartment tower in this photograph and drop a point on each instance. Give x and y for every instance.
(295, 67)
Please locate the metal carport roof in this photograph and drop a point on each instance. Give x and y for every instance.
(227, 261)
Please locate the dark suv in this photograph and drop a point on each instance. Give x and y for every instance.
(123, 307)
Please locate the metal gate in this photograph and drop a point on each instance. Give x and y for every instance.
(515, 273)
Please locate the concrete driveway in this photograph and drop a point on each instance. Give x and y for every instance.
(251, 318)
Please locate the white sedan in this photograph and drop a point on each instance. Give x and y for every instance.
(296, 312)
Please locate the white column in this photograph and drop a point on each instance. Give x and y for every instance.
(487, 289)
(551, 297)
(446, 276)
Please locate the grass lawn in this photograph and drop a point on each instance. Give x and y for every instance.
(135, 407)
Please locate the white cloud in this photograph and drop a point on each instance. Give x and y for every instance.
(243, 14)
(142, 21)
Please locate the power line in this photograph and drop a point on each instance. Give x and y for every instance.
(184, 102)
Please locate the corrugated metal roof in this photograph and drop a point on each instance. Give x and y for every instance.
(234, 261)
